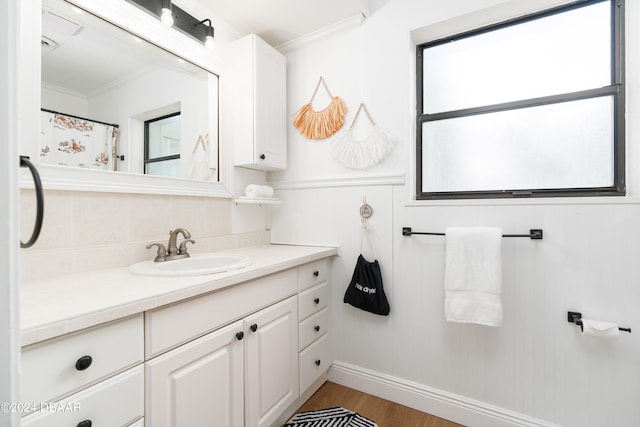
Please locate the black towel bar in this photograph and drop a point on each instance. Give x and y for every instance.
(534, 234)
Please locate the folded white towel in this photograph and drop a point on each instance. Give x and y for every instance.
(473, 275)
(255, 191)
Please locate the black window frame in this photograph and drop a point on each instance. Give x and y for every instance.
(148, 160)
(616, 90)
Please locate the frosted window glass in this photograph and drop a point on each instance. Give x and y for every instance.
(560, 53)
(164, 137)
(568, 145)
(164, 168)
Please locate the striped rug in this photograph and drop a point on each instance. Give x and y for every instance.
(333, 417)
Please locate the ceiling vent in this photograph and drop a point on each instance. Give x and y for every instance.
(47, 45)
(55, 30)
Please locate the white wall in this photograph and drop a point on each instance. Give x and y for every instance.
(533, 370)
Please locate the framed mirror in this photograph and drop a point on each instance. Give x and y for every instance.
(105, 96)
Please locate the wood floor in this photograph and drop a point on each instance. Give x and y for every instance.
(383, 412)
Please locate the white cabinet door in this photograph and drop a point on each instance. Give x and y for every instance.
(199, 383)
(270, 104)
(255, 93)
(271, 362)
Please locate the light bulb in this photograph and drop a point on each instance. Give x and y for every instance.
(166, 18)
(209, 42)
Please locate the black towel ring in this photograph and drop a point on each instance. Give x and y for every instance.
(26, 163)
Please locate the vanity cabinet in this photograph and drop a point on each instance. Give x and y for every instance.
(238, 356)
(243, 373)
(92, 375)
(255, 99)
(313, 340)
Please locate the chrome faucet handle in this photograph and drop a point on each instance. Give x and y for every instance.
(182, 250)
(162, 251)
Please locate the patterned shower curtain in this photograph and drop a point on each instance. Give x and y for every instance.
(71, 141)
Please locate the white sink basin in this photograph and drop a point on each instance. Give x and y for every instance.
(195, 265)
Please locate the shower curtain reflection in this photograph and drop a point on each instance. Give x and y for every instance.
(72, 141)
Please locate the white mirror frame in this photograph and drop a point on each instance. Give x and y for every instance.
(138, 22)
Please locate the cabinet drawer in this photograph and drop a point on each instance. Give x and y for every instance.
(312, 300)
(314, 361)
(176, 324)
(54, 368)
(117, 401)
(312, 328)
(312, 273)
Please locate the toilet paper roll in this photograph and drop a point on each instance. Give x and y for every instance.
(254, 191)
(598, 329)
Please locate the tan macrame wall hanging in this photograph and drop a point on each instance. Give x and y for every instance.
(321, 124)
(364, 153)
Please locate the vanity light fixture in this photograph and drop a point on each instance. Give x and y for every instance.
(173, 16)
(166, 16)
(209, 41)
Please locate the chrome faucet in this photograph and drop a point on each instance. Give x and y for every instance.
(173, 251)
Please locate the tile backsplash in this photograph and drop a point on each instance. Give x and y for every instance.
(85, 231)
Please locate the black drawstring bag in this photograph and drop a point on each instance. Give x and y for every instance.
(365, 290)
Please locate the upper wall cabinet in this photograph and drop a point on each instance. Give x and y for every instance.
(255, 96)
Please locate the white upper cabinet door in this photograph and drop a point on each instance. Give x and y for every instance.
(255, 100)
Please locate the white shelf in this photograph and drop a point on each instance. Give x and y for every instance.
(258, 201)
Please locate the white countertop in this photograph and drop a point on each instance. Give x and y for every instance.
(63, 304)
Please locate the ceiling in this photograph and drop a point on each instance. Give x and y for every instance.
(280, 21)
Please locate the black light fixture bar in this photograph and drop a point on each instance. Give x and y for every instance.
(182, 21)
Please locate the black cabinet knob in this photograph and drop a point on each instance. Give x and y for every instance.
(254, 327)
(262, 156)
(317, 362)
(317, 328)
(239, 335)
(316, 300)
(85, 423)
(316, 273)
(83, 363)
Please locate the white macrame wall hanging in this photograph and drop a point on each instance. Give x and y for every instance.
(199, 167)
(324, 123)
(364, 153)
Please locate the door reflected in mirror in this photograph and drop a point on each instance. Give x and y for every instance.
(113, 101)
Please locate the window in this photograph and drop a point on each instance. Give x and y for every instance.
(529, 107)
(162, 145)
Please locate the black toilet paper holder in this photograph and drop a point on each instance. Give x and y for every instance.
(576, 317)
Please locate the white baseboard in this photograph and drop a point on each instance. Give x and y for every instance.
(453, 407)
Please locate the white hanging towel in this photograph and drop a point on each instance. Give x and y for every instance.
(473, 275)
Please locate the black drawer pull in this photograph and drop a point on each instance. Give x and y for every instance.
(316, 300)
(85, 423)
(239, 335)
(317, 328)
(254, 327)
(318, 362)
(262, 156)
(83, 363)
(316, 273)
